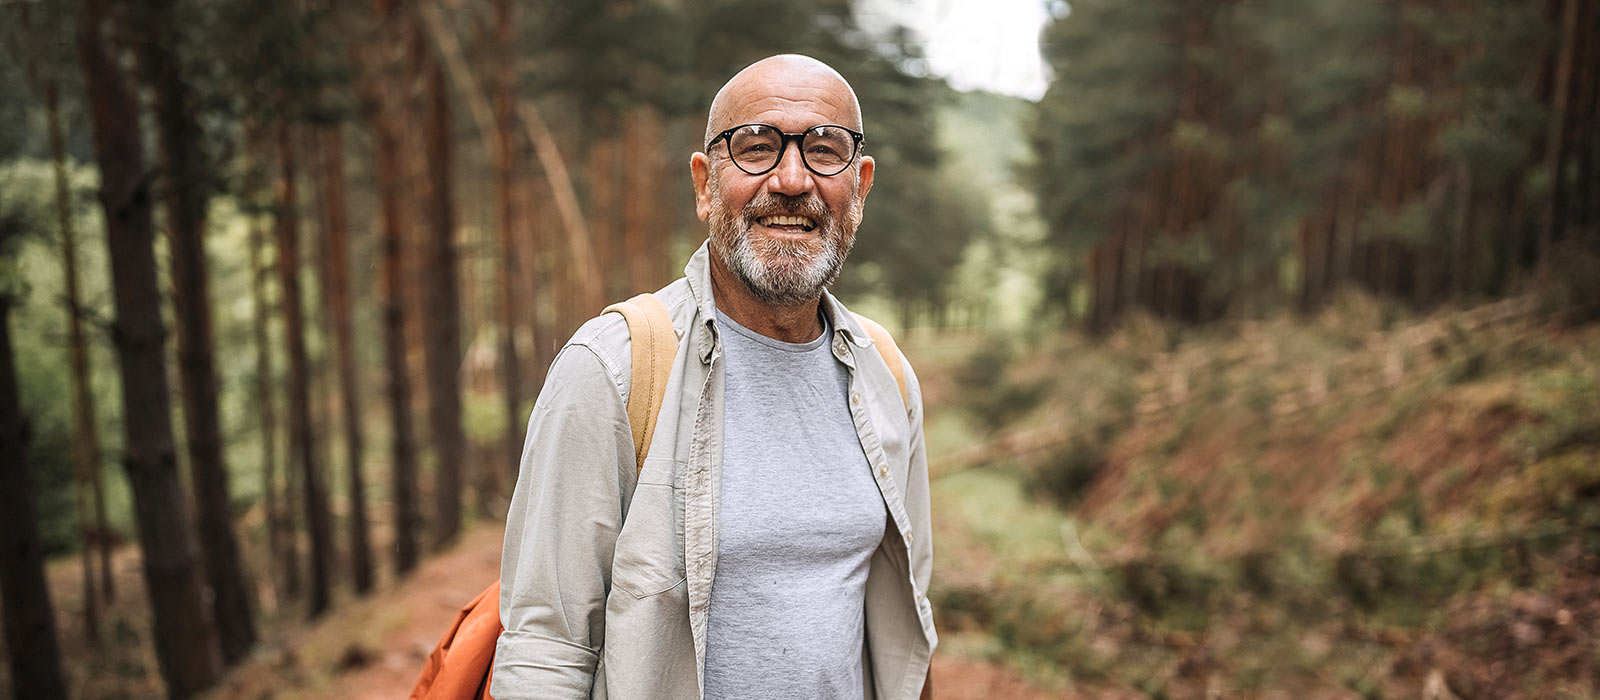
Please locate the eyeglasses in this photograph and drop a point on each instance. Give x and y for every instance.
(826, 149)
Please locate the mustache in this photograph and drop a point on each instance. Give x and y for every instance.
(775, 204)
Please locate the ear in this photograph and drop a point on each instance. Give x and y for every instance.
(868, 168)
(700, 173)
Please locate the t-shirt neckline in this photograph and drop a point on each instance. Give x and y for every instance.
(774, 343)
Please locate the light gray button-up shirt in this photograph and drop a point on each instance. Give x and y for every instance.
(605, 579)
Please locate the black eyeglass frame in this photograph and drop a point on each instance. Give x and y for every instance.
(857, 138)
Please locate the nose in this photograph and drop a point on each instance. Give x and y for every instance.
(790, 177)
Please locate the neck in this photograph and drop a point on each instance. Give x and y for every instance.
(790, 324)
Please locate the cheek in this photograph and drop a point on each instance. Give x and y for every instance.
(735, 200)
(841, 200)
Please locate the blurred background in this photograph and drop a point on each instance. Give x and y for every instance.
(1258, 338)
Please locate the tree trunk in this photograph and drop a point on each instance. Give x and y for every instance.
(589, 288)
(385, 108)
(266, 408)
(86, 433)
(1581, 129)
(301, 437)
(179, 136)
(539, 257)
(279, 536)
(507, 202)
(86, 447)
(1464, 260)
(602, 171)
(30, 623)
(1553, 221)
(418, 186)
(338, 292)
(442, 321)
(641, 170)
(186, 642)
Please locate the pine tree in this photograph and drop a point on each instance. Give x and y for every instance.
(186, 641)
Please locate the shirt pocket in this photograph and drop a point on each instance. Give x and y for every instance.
(649, 554)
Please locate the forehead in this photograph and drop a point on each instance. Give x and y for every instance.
(791, 102)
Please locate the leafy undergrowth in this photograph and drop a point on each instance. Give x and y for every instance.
(1358, 504)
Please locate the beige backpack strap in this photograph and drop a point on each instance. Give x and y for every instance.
(655, 346)
(890, 354)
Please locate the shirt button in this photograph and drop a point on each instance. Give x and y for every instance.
(883, 471)
(909, 538)
(855, 398)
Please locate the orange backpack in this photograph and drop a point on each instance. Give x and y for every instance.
(462, 663)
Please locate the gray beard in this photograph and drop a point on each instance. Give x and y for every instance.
(782, 272)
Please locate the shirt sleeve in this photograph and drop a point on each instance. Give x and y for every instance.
(561, 530)
(918, 498)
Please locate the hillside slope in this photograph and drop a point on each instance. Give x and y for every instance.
(1362, 504)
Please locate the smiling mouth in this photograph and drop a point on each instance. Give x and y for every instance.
(788, 223)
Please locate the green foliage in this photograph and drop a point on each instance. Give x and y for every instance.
(1564, 401)
(484, 417)
(18, 127)
(996, 401)
(39, 332)
(36, 49)
(1499, 123)
(1067, 478)
(1170, 587)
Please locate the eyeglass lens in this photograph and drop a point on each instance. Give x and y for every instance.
(756, 148)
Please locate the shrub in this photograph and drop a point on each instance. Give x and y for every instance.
(1067, 476)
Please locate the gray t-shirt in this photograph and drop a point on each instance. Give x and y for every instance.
(798, 520)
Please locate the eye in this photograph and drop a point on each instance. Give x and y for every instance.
(746, 148)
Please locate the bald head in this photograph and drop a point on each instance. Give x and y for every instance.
(782, 78)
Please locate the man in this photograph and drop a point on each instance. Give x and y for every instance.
(775, 543)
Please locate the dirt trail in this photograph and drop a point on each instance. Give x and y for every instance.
(372, 649)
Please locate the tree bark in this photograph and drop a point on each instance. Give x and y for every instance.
(413, 95)
(338, 291)
(1463, 243)
(266, 408)
(507, 202)
(589, 291)
(301, 437)
(185, 640)
(179, 135)
(1553, 220)
(641, 166)
(601, 163)
(442, 321)
(42, 77)
(30, 623)
(384, 108)
(1585, 207)
(86, 432)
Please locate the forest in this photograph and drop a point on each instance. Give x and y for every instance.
(1270, 326)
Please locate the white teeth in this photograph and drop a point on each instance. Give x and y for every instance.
(785, 221)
